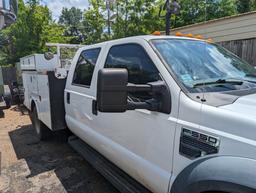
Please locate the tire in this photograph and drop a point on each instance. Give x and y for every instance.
(42, 132)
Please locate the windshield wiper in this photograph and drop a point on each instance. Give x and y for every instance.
(219, 81)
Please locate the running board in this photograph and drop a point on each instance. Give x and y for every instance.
(118, 178)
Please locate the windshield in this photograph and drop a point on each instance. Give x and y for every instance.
(197, 62)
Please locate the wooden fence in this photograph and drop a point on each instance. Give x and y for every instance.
(245, 49)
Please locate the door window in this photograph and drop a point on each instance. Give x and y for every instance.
(133, 57)
(85, 67)
(141, 69)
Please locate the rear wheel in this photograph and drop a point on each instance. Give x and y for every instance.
(42, 131)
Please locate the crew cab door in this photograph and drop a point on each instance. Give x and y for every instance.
(140, 142)
(80, 87)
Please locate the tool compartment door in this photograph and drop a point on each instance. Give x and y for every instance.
(44, 108)
(26, 82)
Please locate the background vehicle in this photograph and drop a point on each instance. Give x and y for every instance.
(167, 111)
(44, 78)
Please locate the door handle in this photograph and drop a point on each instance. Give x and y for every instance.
(94, 107)
(68, 98)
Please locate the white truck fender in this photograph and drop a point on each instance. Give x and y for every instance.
(218, 174)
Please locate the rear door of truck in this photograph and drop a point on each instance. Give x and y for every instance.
(80, 88)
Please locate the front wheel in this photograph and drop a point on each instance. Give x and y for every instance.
(42, 132)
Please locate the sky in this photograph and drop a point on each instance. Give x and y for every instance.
(56, 5)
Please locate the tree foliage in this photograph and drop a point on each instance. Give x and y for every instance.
(195, 11)
(136, 18)
(71, 17)
(243, 6)
(94, 22)
(35, 25)
(29, 34)
(24, 37)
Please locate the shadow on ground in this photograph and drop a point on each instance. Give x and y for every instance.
(20, 108)
(2, 108)
(1, 113)
(55, 158)
(17, 108)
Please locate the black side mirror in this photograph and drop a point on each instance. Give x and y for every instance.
(113, 88)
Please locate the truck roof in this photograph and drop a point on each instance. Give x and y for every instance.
(151, 37)
(144, 37)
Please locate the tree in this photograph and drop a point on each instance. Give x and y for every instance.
(226, 8)
(253, 4)
(94, 22)
(243, 6)
(71, 17)
(136, 17)
(35, 26)
(28, 35)
(72, 20)
(54, 33)
(195, 11)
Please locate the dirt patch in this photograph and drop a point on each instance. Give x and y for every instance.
(32, 166)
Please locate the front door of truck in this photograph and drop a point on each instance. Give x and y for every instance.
(140, 142)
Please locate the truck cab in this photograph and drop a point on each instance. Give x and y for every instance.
(176, 114)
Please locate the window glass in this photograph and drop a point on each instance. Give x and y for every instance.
(133, 57)
(199, 62)
(141, 69)
(85, 67)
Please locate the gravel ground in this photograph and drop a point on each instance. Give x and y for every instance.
(31, 166)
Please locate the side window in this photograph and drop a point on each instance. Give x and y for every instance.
(85, 67)
(141, 69)
(134, 58)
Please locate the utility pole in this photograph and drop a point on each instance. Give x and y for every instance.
(108, 10)
(170, 8)
(126, 17)
(168, 17)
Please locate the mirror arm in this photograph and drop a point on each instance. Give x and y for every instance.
(137, 105)
(138, 88)
(151, 105)
(150, 87)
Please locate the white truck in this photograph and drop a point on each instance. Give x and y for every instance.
(160, 114)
